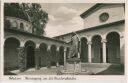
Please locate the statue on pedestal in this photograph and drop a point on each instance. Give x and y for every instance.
(74, 50)
(73, 63)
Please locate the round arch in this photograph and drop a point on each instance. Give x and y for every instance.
(30, 43)
(53, 55)
(96, 49)
(84, 37)
(61, 55)
(10, 53)
(13, 36)
(30, 53)
(116, 31)
(97, 34)
(113, 47)
(44, 56)
(84, 50)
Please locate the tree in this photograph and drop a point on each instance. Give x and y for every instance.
(31, 12)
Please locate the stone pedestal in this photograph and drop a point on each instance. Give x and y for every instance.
(73, 65)
(37, 56)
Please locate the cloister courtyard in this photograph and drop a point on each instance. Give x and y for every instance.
(102, 45)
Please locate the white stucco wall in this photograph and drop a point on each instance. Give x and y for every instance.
(115, 11)
(15, 22)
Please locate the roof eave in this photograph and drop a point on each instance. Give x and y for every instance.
(89, 10)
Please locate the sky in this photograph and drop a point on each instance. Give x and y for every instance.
(64, 17)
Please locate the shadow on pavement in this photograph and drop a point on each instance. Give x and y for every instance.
(113, 70)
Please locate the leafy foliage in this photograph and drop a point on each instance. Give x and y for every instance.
(31, 12)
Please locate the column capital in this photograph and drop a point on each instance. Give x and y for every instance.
(37, 46)
(121, 36)
(49, 47)
(103, 40)
(57, 48)
(65, 49)
(20, 47)
(89, 42)
(37, 49)
(22, 44)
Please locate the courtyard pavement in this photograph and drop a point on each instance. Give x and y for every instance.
(107, 70)
(42, 71)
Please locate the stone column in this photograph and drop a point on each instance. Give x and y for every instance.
(37, 56)
(49, 57)
(65, 50)
(89, 51)
(21, 59)
(122, 49)
(57, 54)
(104, 50)
(79, 50)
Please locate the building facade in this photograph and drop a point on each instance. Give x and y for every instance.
(102, 40)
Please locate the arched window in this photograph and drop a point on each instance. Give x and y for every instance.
(21, 26)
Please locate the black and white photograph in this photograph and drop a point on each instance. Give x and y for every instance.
(64, 39)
